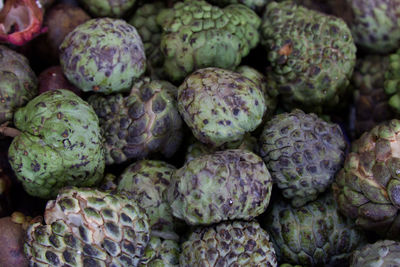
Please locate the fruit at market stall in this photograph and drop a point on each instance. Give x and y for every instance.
(370, 99)
(220, 106)
(303, 154)
(18, 82)
(108, 8)
(234, 243)
(59, 143)
(375, 24)
(392, 81)
(89, 227)
(312, 235)
(141, 124)
(198, 35)
(225, 185)
(144, 20)
(383, 253)
(311, 56)
(367, 187)
(148, 181)
(103, 55)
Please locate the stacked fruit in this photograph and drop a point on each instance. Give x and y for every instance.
(200, 133)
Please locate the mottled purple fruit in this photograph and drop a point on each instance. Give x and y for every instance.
(103, 55)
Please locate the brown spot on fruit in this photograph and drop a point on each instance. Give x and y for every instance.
(286, 50)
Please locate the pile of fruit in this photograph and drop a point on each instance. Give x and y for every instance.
(200, 133)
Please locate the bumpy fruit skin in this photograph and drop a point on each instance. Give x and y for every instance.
(226, 185)
(270, 96)
(383, 253)
(143, 123)
(148, 181)
(220, 106)
(198, 35)
(234, 244)
(392, 81)
(367, 187)
(103, 55)
(60, 144)
(107, 8)
(161, 253)
(303, 154)
(312, 55)
(312, 235)
(18, 82)
(375, 24)
(370, 100)
(89, 227)
(144, 20)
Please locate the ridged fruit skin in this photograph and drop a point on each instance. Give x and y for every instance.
(225, 185)
(161, 253)
(60, 144)
(392, 81)
(198, 35)
(383, 253)
(367, 187)
(375, 24)
(103, 55)
(144, 20)
(313, 235)
(303, 154)
(108, 8)
(311, 55)
(235, 243)
(148, 181)
(18, 82)
(138, 125)
(197, 148)
(220, 106)
(89, 227)
(370, 100)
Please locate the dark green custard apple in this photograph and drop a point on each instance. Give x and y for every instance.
(383, 253)
(198, 35)
(225, 185)
(235, 244)
(367, 188)
(89, 227)
(303, 154)
(108, 8)
(375, 24)
(18, 82)
(103, 55)
(220, 106)
(311, 55)
(312, 235)
(59, 144)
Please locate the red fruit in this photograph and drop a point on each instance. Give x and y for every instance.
(20, 21)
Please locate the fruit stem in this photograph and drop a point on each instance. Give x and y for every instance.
(8, 131)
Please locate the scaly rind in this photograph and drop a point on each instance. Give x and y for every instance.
(312, 235)
(60, 144)
(303, 154)
(198, 35)
(234, 243)
(379, 254)
(367, 187)
(225, 185)
(220, 106)
(88, 227)
(312, 55)
(141, 124)
(103, 55)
